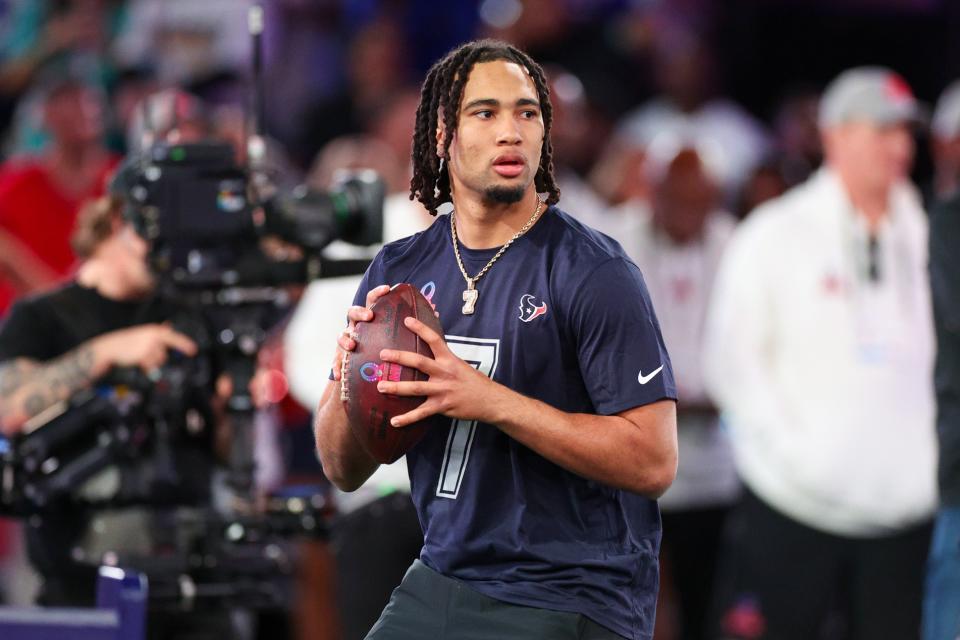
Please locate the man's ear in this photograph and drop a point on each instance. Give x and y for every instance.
(441, 133)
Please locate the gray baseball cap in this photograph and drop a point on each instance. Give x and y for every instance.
(874, 94)
(946, 116)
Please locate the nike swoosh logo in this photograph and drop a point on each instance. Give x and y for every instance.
(644, 379)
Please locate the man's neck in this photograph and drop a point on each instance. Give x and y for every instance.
(870, 202)
(481, 225)
(97, 273)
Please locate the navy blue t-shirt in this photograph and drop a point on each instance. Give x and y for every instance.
(563, 317)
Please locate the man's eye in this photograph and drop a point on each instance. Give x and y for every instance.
(529, 114)
(484, 115)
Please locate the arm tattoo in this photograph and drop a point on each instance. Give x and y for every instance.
(35, 404)
(38, 387)
(13, 374)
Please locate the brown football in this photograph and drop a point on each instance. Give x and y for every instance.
(368, 410)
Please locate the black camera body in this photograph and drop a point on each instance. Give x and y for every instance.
(197, 209)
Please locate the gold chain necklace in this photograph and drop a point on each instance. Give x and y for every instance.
(471, 294)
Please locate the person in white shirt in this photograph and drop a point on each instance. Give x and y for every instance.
(684, 71)
(677, 239)
(819, 350)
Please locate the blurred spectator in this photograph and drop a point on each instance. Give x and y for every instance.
(39, 198)
(765, 182)
(941, 613)
(186, 40)
(573, 35)
(945, 143)
(170, 115)
(797, 139)
(684, 71)
(818, 349)
(619, 175)
(131, 87)
(393, 125)
(377, 69)
(677, 241)
(63, 36)
(796, 152)
(303, 61)
(577, 135)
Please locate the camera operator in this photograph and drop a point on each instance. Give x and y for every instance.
(56, 344)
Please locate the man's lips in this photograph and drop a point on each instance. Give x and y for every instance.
(509, 166)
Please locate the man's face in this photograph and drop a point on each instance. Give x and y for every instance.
(684, 198)
(74, 116)
(495, 151)
(877, 156)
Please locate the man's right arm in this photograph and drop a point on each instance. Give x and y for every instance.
(345, 462)
(28, 387)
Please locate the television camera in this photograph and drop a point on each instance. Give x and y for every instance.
(208, 230)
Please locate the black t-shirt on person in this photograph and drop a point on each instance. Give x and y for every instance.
(51, 324)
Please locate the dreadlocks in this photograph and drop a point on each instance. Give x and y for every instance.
(443, 89)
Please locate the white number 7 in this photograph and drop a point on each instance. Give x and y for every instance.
(483, 355)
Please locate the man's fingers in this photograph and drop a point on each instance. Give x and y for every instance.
(178, 341)
(346, 343)
(425, 410)
(376, 292)
(359, 314)
(418, 388)
(409, 359)
(431, 337)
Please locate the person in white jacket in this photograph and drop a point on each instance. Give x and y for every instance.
(819, 350)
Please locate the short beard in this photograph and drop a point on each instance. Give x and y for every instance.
(503, 195)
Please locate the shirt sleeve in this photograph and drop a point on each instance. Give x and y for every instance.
(622, 356)
(372, 278)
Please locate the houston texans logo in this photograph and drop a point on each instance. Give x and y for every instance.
(529, 309)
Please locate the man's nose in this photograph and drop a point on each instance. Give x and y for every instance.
(509, 132)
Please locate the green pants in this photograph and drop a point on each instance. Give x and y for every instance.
(431, 606)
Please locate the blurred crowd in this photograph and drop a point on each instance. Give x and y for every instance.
(648, 149)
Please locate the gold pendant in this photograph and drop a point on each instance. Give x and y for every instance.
(470, 296)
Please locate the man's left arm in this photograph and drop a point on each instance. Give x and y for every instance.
(635, 449)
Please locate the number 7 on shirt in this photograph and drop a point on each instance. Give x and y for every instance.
(482, 354)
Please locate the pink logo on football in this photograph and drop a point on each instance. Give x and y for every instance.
(529, 309)
(377, 371)
(428, 290)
